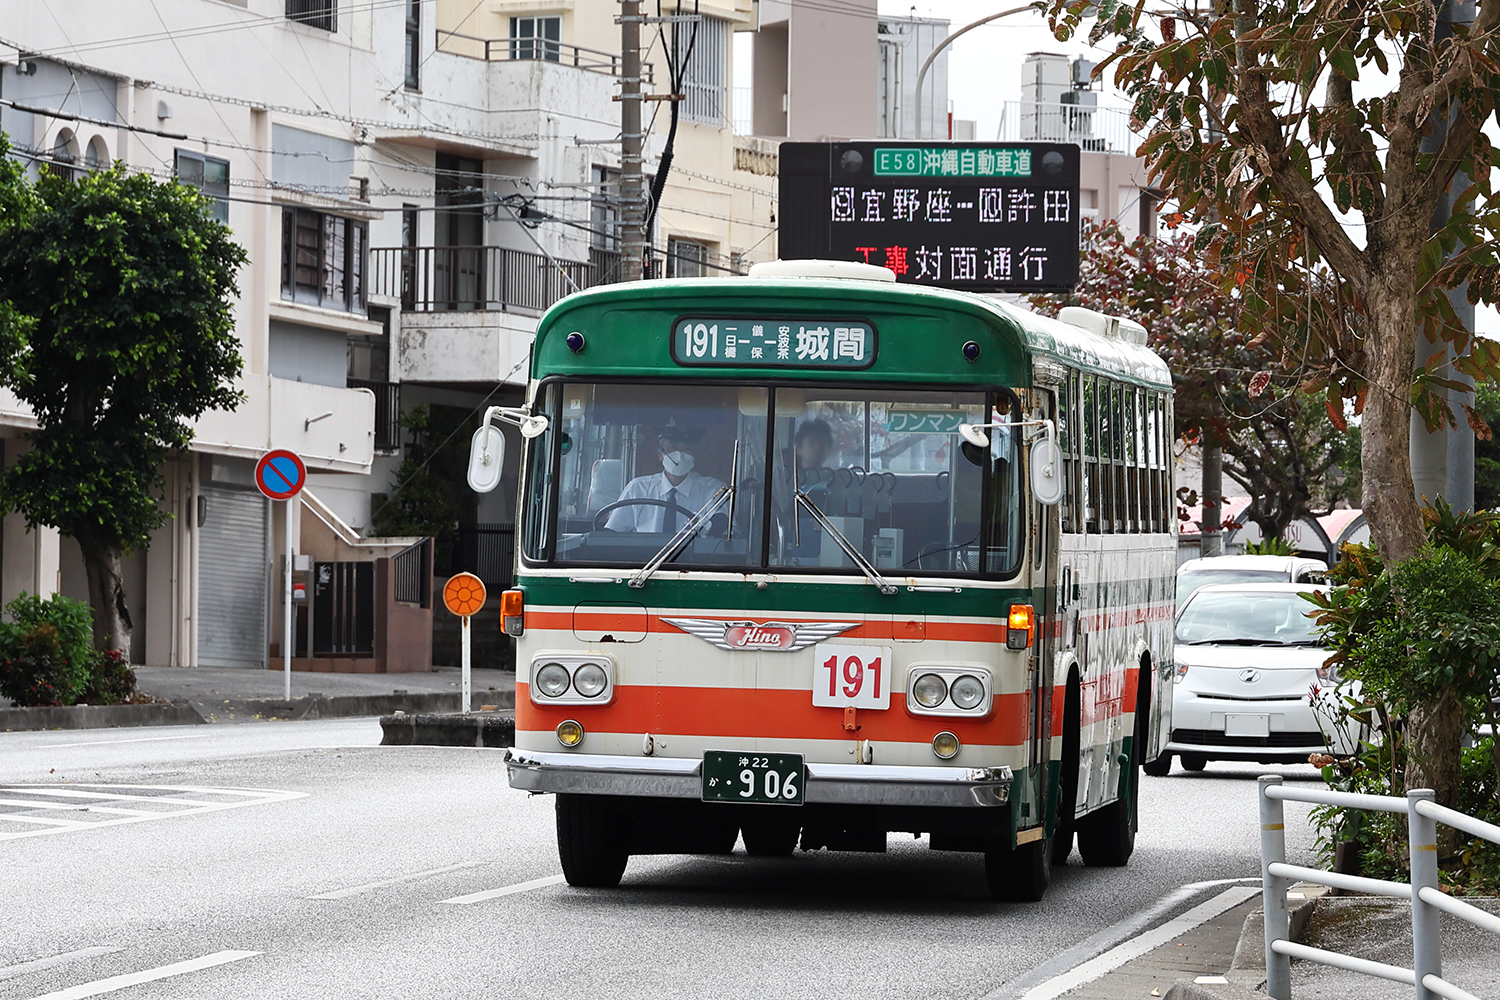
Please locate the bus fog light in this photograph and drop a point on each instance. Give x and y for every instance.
(945, 745)
(967, 691)
(929, 691)
(552, 680)
(590, 680)
(570, 734)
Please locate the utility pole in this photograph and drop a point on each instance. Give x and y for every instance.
(1212, 537)
(632, 199)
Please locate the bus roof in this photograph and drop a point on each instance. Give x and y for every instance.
(1038, 335)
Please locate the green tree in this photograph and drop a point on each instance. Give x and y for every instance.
(120, 290)
(430, 494)
(1487, 450)
(1276, 124)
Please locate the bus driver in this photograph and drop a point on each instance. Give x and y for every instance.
(677, 485)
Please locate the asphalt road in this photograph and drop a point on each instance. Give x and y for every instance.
(306, 861)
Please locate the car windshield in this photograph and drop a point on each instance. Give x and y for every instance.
(1248, 617)
(1189, 584)
(623, 467)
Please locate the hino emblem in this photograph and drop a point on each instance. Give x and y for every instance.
(1249, 675)
(780, 637)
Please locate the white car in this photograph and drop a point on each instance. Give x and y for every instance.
(1197, 573)
(1248, 669)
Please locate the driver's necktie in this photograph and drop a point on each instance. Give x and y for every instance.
(669, 517)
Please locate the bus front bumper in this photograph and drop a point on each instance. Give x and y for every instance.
(834, 784)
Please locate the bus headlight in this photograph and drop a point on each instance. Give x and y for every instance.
(967, 691)
(946, 745)
(569, 733)
(930, 690)
(590, 680)
(552, 680)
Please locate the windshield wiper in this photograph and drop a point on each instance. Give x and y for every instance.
(1235, 642)
(850, 549)
(684, 535)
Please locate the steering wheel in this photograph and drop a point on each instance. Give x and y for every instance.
(606, 510)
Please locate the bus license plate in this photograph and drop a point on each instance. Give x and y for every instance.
(774, 778)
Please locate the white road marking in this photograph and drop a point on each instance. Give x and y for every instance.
(149, 975)
(44, 806)
(369, 886)
(106, 743)
(12, 971)
(1139, 945)
(479, 897)
(96, 803)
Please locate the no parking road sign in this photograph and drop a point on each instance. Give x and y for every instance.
(280, 474)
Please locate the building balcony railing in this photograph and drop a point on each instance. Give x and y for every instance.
(1095, 129)
(543, 49)
(443, 279)
(387, 412)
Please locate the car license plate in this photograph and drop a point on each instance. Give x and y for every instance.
(730, 776)
(1247, 725)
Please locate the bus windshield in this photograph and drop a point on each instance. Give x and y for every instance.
(623, 467)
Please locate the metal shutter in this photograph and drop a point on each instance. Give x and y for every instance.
(232, 583)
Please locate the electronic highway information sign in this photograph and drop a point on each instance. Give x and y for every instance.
(975, 216)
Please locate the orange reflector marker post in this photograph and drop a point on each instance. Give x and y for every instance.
(464, 595)
(1019, 628)
(512, 612)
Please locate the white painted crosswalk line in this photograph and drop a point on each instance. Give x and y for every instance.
(397, 880)
(510, 890)
(103, 799)
(37, 965)
(113, 983)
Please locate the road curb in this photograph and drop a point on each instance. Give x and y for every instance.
(318, 706)
(169, 713)
(477, 729)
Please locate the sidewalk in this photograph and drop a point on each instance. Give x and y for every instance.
(221, 694)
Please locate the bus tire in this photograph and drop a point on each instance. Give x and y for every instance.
(770, 838)
(1020, 874)
(591, 842)
(1106, 838)
(1193, 761)
(1067, 800)
(1160, 767)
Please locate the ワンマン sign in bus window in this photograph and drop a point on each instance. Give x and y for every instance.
(773, 343)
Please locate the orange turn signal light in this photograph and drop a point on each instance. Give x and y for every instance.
(512, 611)
(1021, 622)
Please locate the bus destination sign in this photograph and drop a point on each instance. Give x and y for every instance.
(740, 342)
(974, 216)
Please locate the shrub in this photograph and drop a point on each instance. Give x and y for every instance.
(111, 682)
(46, 650)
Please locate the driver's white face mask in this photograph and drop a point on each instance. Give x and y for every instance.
(677, 463)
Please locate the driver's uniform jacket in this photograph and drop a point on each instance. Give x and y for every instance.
(692, 493)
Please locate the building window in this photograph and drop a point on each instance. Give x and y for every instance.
(314, 13)
(323, 260)
(209, 175)
(705, 83)
(536, 38)
(64, 158)
(686, 258)
(413, 44)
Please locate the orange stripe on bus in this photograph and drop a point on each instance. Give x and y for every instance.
(767, 713)
(604, 621)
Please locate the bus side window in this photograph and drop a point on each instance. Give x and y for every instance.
(1090, 434)
(1152, 465)
(1107, 432)
(1132, 463)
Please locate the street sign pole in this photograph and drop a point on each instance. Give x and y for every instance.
(464, 595)
(280, 475)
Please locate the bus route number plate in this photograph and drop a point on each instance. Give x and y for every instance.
(771, 778)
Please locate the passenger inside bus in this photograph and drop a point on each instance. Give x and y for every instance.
(680, 490)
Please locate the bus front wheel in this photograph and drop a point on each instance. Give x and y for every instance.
(770, 838)
(590, 841)
(1020, 874)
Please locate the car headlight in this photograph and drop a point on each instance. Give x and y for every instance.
(967, 691)
(1180, 674)
(930, 690)
(552, 680)
(590, 680)
(1328, 673)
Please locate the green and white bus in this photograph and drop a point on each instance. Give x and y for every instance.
(811, 558)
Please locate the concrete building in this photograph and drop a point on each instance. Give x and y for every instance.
(904, 45)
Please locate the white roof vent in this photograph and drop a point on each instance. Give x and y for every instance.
(1117, 327)
(821, 269)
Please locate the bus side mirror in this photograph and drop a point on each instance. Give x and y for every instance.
(1046, 471)
(486, 458)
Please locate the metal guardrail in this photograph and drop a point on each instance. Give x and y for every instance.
(1427, 898)
(445, 279)
(539, 49)
(387, 411)
(1096, 129)
(412, 575)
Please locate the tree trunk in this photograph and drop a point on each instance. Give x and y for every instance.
(1212, 534)
(1390, 502)
(1434, 744)
(112, 622)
